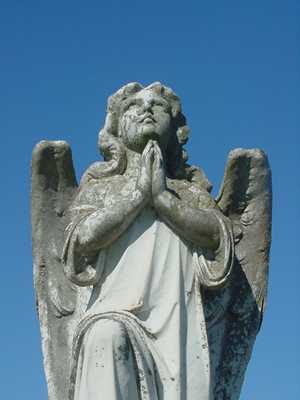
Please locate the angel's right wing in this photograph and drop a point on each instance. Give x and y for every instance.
(59, 302)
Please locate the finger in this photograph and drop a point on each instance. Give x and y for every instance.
(149, 160)
(146, 155)
(158, 151)
(158, 161)
(147, 148)
(149, 154)
(155, 153)
(156, 166)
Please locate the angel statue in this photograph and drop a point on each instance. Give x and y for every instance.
(147, 287)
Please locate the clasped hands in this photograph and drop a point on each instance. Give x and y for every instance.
(152, 178)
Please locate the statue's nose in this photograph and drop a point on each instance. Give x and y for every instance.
(147, 107)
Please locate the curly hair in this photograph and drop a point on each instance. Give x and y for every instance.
(113, 149)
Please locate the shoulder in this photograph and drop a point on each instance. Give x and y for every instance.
(192, 193)
(94, 191)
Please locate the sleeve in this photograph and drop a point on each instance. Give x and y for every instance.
(213, 268)
(81, 269)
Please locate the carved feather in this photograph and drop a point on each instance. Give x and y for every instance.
(246, 198)
(53, 187)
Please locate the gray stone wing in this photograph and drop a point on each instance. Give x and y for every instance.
(58, 300)
(246, 198)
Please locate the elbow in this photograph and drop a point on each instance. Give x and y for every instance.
(211, 242)
(92, 237)
(87, 239)
(206, 236)
(215, 241)
(87, 244)
(87, 277)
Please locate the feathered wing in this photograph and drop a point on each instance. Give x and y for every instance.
(246, 198)
(58, 300)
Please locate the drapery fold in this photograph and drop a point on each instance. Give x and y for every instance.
(150, 283)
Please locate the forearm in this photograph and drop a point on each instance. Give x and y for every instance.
(103, 227)
(197, 226)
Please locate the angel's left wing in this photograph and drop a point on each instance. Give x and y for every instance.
(245, 198)
(53, 188)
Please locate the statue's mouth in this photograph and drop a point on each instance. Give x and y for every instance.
(147, 119)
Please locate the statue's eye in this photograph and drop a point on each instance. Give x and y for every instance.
(131, 106)
(160, 106)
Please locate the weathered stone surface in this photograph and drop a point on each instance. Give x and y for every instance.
(146, 286)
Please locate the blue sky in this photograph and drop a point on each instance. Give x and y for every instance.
(236, 67)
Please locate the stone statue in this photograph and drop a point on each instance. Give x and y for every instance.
(147, 287)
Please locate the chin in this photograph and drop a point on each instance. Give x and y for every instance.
(147, 130)
(140, 141)
(148, 133)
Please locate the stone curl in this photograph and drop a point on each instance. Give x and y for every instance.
(113, 149)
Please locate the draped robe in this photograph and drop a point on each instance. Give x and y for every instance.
(144, 334)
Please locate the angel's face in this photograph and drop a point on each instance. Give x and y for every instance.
(145, 116)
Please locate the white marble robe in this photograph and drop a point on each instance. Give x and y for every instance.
(144, 335)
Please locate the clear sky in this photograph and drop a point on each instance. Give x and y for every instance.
(235, 64)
